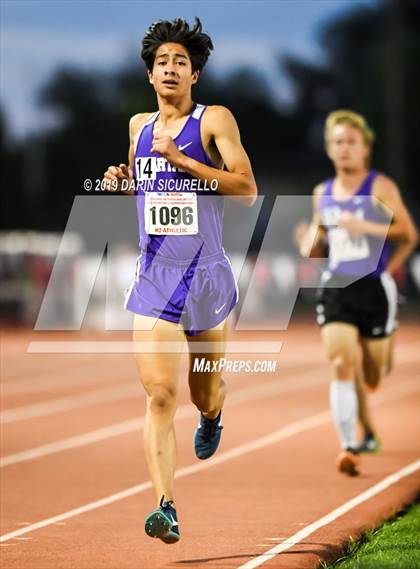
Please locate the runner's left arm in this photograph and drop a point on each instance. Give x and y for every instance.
(388, 192)
(402, 228)
(120, 178)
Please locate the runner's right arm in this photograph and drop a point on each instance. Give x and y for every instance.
(120, 178)
(309, 237)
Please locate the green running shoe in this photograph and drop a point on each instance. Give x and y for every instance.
(207, 436)
(163, 523)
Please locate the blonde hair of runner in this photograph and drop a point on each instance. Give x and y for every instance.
(351, 118)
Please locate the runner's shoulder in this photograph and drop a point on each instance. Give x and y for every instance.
(137, 121)
(384, 186)
(218, 110)
(218, 113)
(319, 190)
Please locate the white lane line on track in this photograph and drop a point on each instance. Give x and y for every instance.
(90, 398)
(407, 353)
(93, 397)
(300, 381)
(48, 380)
(71, 402)
(284, 433)
(16, 387)
(19, 387)
(332, 516)
(185, 411)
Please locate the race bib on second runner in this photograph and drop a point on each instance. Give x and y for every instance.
(170, 214)
(344, 248)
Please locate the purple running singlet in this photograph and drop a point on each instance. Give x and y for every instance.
(183, 273)
(368, 302)
(354, 256)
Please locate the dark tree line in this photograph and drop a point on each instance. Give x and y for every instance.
(371, 62)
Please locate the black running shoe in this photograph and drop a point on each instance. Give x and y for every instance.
(207, 436)
(369, 444)
(163, 523)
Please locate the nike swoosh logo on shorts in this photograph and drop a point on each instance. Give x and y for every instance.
(219, 309)
(181, 148)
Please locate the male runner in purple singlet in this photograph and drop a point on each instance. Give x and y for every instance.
(183, 159)
(357, 320)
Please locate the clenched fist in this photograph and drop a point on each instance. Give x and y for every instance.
(117, 178)
(165, 145)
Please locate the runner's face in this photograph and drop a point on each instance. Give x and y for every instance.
(346, 148)
(172, 73)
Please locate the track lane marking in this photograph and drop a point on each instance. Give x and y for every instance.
(290, 430)
(90, 398)
(125, 427)
(235, 397)
(17, 387)
(185, 411)
(332, 516)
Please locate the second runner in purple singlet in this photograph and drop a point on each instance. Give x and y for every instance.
(357, 300)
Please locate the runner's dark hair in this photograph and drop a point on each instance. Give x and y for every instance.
(196, 42)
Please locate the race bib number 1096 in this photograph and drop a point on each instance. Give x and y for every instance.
(170, 214)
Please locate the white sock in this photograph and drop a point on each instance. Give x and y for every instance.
(344, 407)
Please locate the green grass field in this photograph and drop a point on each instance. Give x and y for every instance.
(396, 545)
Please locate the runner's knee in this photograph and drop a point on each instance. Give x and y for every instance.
(161, 397)
(344, 364)
(206, 401)
(374, 374)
